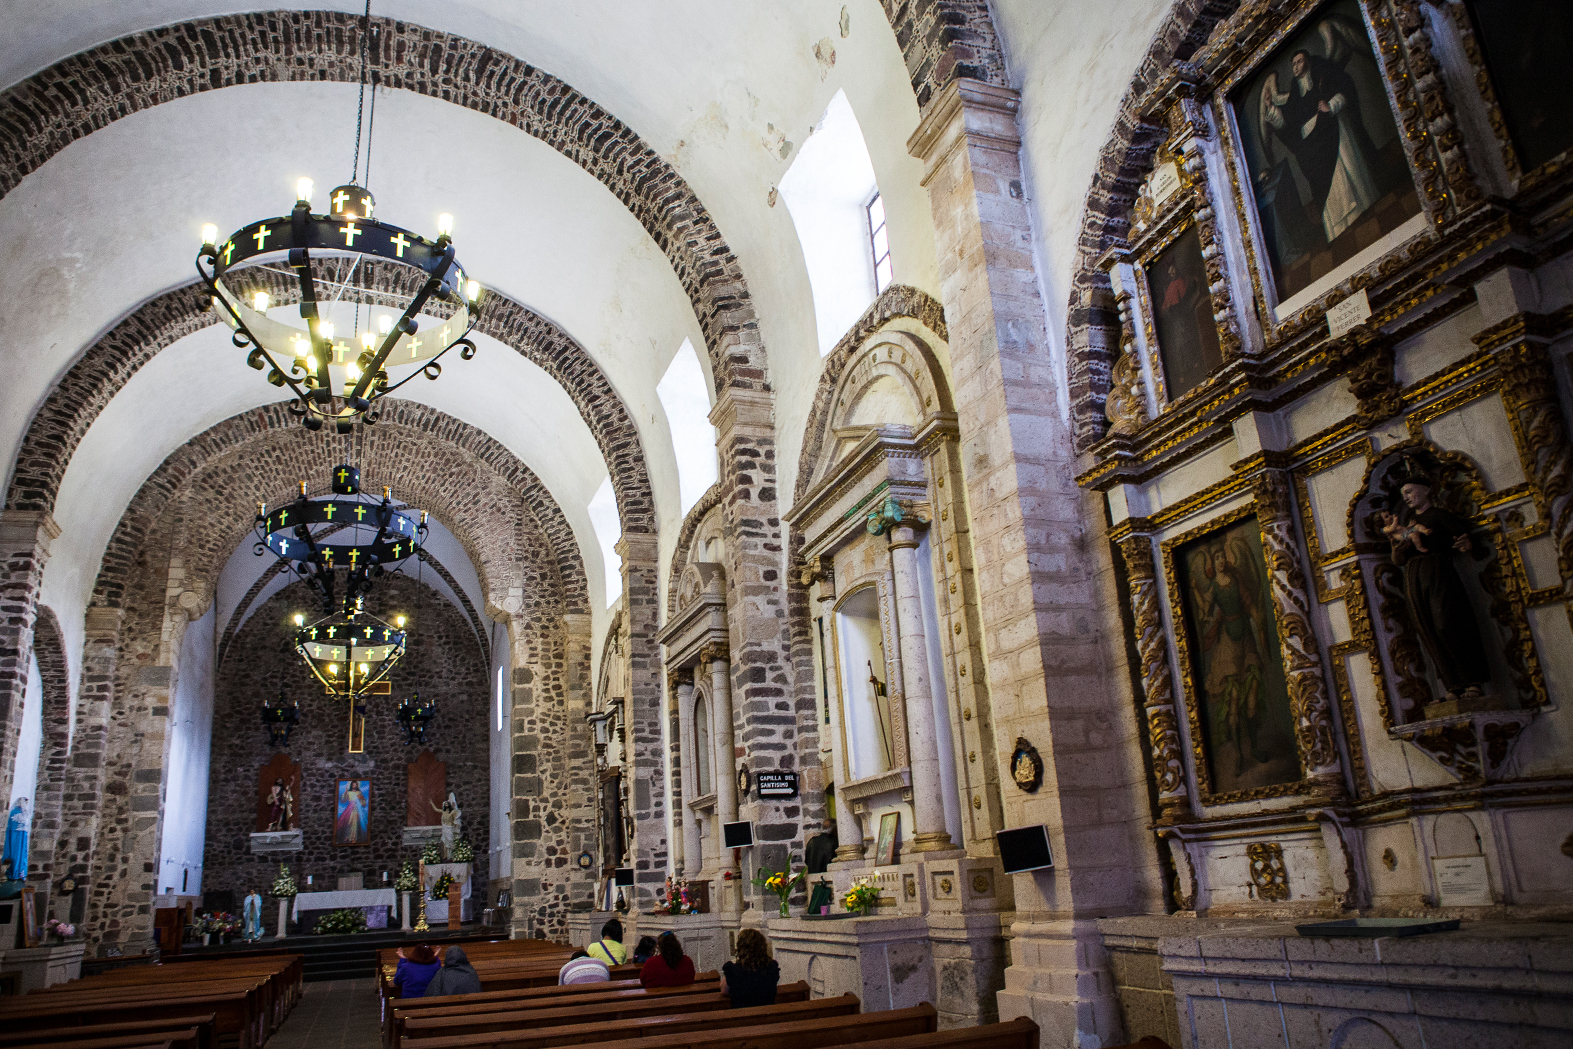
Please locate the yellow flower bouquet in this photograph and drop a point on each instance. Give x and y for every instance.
(781, 883)
(862, 897)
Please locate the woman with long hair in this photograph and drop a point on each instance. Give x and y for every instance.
(752, 979)
(670, 967)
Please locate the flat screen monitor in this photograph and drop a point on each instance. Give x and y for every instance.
(623, 876)
(1024, 849)
(737, 835)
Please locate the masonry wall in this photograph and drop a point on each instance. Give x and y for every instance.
(445, 661)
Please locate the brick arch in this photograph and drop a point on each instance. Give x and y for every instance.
(90, 384)
(898, 300)
(49, 794)
(87, 91)
(403, 451)
(945, 40)
(1092, 321)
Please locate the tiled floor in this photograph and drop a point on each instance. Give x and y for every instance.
(338, 1014)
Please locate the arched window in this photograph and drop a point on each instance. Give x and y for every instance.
(702, 756)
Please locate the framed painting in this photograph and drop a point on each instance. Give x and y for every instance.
(1182, 314)
(31, 933)
(889, 838)
(1321, 150)
(1525, 45)
(352, 822)
(1238, 697)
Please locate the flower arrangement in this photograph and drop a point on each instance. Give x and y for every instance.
(344, 922)
(439, 890)
(463, 851)
(59, 928)
(863, 896)
(284, 885)
(432, 853)
(406, 881)
(217, 923)
(674, 898)
(781, 883)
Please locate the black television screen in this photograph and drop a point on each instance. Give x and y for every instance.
(737, 835)
(623, 876)
(1024, 849)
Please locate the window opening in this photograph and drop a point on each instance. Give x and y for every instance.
(879, 242)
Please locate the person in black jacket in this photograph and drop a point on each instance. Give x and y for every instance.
(457, 976)
(752, 979)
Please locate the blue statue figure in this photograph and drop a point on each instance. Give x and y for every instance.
(16, 830)
(251, 912)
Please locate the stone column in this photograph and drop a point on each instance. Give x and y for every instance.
(692, 859)
(928, 806)
(1152, 644)
(1320, 765)
(25, 536)
(643, 714)
(724, 767)
(84, 790)
(1037, 593)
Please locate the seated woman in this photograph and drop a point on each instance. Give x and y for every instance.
(752, 979)
(670, 967)
(582, 968)
(644, 950)
(417, 965)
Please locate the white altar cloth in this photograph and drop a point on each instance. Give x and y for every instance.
(332, 901)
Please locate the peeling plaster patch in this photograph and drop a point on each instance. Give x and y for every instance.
(846, 23)
(825, 53)
(773, 195)
(776, 141)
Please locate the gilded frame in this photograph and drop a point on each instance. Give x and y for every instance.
(1200, 774)
(1419, 150)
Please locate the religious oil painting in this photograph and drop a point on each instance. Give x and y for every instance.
(1526, 44)
(353, 823)
(1183, 314)
(889, 838)
(1323, 152)
(1237, 678)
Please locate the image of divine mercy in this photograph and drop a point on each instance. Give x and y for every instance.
(351, 826)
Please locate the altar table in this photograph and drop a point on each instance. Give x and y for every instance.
(332, 901)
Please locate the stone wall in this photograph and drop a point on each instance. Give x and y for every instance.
(444, 661)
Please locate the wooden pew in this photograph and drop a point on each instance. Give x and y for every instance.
(263, 1009)
(281, 980)
(1020, 1033)
(622, 1005)
(535, 997)
(703, 1034)
(618, 1018)
(201, 1028)
(237, 1017)
(173, 1039)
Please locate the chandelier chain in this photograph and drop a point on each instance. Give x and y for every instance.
(365, 28)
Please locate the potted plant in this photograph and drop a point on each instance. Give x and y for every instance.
(781, 883)
(346, 921)
(862, 898)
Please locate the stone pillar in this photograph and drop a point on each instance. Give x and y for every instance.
(692, 858)
(928, 806)
(25, 536)
(1320, 765)
(1046, 668)
(643, 714)
(82, 801)
(724, 768)
(1152, 644)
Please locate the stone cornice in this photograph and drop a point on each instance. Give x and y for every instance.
(987, 119)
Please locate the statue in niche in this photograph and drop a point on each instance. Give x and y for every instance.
(452, 823)
(281, 806)
(1425, 545)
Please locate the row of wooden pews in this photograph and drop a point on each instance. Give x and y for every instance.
(520, 1008)
(220, 1003)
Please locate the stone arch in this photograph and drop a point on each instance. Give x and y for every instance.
(898, 300)
(87, 91)
(49, 794)
(1092, 321)
(274, 425)
(685, 538)
(89, 385)
(946, 40)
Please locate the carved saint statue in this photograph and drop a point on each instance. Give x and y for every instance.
(251, 911)
(17, 828)
(281, 806)
(452, 822)
(1426, 545)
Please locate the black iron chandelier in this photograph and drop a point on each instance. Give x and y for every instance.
(340, 376)
(415, 715)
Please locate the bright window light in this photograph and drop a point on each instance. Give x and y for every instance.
(687, 405)
(499, 699)
(608, 529)
(827, 190)
(879, 241)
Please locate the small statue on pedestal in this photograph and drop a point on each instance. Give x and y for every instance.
(281, 806)
(452, 823)
(1425, 546)
(251, 914)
